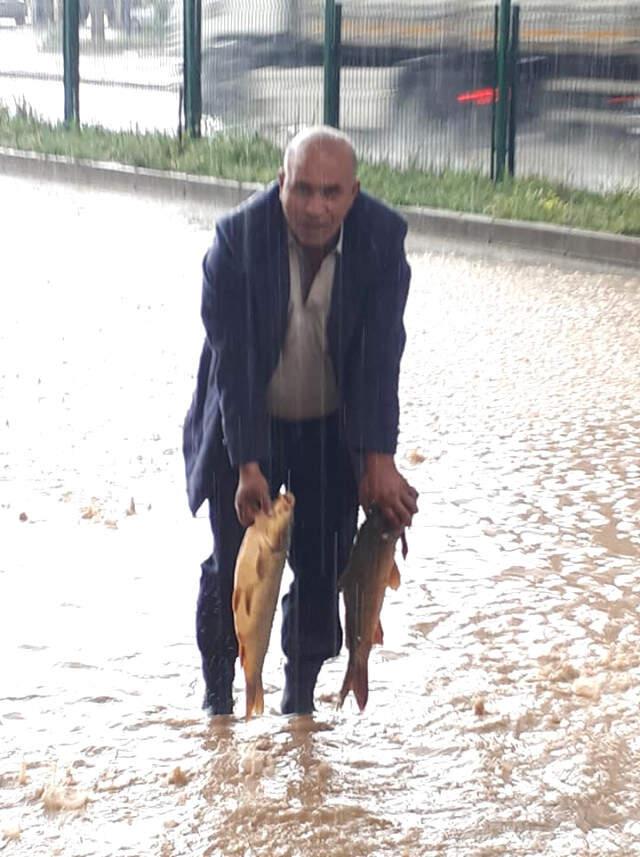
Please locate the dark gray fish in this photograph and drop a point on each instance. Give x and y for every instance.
(371, 568)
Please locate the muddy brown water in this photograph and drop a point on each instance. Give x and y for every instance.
(504, 710)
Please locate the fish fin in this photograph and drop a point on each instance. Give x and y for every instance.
(357, 680)
(394, 577)
(255, 698)
(346, 685)
(361, 682)
(259, 706)
(405, 546)
(378, 635)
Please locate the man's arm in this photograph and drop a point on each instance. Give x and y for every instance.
(252, 494)
(228, 317)
(227, 314)
(382, 347)
(381, 484)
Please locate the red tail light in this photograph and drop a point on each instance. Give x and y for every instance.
(485, 96)
(624, 99)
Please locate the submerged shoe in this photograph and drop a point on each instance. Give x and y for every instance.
(218, 673)
(216, 703)
(299, 686)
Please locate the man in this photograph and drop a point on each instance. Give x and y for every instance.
(303, 297)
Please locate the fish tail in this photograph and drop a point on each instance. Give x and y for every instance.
(357, 680)
(255, 698)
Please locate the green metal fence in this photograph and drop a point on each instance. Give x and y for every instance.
(129, 70)
(429, 84)
(580, 108)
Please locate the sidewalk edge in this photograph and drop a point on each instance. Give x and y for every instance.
(528, 235)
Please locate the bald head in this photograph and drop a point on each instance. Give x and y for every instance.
(322, 137)
(318, 185)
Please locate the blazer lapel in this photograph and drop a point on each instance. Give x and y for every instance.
(281, 285)
(272, 292)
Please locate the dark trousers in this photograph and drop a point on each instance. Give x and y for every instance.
(311, 459)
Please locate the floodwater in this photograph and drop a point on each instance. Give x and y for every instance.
(504, 711)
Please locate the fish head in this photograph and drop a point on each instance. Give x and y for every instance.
(378, 524)
(278, 524)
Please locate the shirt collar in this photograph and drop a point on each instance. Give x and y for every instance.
(293, 241)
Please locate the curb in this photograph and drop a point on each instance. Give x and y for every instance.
(427, 222)
(604, 247)
(109, 176)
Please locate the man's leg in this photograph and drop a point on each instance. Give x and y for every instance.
(214, 617)
(325, 517)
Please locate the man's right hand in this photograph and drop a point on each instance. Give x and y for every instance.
(252, 495)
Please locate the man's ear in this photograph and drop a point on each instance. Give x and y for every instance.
(281, 177)
(356, 189)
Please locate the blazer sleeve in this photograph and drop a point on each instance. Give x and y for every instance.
(228, 314)
(381, 348)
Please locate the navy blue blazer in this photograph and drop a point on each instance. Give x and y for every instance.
(245, 300)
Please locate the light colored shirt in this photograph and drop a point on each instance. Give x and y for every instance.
(303, 385)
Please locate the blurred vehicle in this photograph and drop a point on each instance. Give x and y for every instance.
(108, 9)
(127, 14)
(16, 9)
(578, 66)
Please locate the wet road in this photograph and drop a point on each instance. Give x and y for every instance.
(504, 711)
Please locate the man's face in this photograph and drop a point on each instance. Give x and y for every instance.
(317, 188)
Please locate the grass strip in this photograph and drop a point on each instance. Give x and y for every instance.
(252, 158)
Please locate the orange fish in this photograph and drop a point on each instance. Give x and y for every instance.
(256, 586)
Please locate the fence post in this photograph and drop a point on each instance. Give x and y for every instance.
(494, 89)
(71, 60)
(186, 61)
(502, 105)
(192, 66)
(197, 88)
(514, 81)
(332, 41)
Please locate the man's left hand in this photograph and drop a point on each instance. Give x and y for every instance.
(384, 486)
